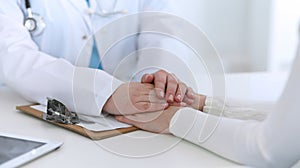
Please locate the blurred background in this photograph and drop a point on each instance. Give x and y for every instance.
(250, 35)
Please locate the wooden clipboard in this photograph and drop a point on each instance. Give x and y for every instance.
(94, 135)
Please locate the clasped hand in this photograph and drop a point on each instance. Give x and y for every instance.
(151, 104)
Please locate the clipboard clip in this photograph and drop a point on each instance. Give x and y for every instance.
(58, 112)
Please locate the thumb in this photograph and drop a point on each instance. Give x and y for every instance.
(148, 78)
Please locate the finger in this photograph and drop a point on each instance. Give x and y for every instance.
(188, 100)
(128, 120)
(148, 78)
(125, 119)
(181, 104)
(136, 89)
(160, 80)
(172, 85)
(144, 107)
(181, 91)
(150, 98)
(190, 93)
(140, 86)
(145, 117)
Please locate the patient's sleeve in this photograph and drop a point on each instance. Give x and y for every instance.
(229, 139)
(259, 144)
(274, 142)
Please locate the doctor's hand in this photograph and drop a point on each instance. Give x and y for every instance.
(133, 98)
(169, 87)
(157, 122)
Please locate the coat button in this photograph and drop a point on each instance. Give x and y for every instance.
(84, 37)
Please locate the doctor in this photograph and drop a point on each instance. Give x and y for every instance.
(47, 49)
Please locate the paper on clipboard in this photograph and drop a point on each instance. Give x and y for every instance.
(92, 123)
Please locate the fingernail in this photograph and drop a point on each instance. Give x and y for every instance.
(161, 94)
(183, 104)
(179, 97)
(118, 117)
(166, 105)
(171, 98)
(191, 95)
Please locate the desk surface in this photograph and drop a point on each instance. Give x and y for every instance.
(137, 149)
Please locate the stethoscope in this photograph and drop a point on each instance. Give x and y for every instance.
(35, 24)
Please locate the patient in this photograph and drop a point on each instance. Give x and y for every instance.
(273, 142)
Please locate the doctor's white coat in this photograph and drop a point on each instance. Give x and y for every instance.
(55, 63)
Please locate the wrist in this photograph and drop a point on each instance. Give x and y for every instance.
(109, 106)
(202, 102)
(199, 102)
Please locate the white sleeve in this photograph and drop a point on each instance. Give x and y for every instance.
(247, 142)
(225, 137)
(37, 75)
(274, 142)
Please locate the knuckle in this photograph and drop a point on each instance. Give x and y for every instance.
(173, 75)
(182, 85)
(182, 88)
(158, 78)
(144, 77)
(133, 99)
(179, 89)
(171, 90)
(161, 71)
(172, 80)
(149, 87)
(160, 74)
(145, 106)
(160, 84)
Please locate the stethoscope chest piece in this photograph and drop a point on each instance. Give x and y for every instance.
(35, 24)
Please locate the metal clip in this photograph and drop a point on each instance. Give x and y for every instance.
(58, 112)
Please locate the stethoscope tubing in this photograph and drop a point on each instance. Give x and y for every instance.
(33, 21)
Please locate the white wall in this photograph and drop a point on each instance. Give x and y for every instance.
(239, 29)
(259, 33)
(284, 33)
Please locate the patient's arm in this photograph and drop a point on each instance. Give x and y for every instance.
(238, 109)
(274, 142)
(232, 108)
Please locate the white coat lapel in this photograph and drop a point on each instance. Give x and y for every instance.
(82, 7)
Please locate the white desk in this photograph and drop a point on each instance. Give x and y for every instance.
(79, 151)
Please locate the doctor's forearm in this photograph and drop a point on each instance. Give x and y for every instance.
(37, 75)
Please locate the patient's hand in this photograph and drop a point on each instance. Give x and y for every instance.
(133, 98)
(199, 102)
(173, 90)
(157, 122)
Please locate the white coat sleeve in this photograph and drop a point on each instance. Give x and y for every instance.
(37, 75)
(274, 142)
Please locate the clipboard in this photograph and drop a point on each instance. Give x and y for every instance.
(94, 135)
